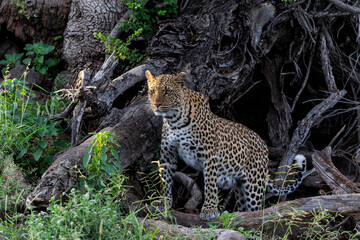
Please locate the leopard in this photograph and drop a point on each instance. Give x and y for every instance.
(229, 154)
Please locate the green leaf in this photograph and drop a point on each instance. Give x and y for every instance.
(52, 131)
(103, 156)
(43, 144)
(51, 62)
(90, 148)
(115, 154)
(118, 164)
(37, 154)
(42, 132)
(40, 59)
(42, 70)
(29, 47)
(22, 153)
(61, 144)
(109, 169)
(57, 38)
(86, 160)
(26, 61)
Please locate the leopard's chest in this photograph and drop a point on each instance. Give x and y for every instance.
(189, 149)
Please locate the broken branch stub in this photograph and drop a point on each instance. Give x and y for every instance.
(331, 175)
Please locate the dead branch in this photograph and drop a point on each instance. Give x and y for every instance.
(326, 65)
(347, 204)
(331, 175)
(305, 79)
(302, 130)
(346, 7)
(193, 188)
(176, 230)
(136, 121)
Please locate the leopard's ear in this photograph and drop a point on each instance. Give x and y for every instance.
(180, 79)
(150, 78)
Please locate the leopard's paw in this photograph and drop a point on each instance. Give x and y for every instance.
(208, 213)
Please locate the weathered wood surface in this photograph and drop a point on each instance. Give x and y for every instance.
(135, 121)
(331, 175)
(176, 230)
(347, 204)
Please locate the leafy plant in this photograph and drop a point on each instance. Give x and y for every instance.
(93, 215)
(121, 48)
(36, 53)
(98, 165)
(140, 23)
(22, 6)
(36, 58)
(11, 61)
(25, 132)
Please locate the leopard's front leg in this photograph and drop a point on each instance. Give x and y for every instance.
(168, 165)
(210, 208)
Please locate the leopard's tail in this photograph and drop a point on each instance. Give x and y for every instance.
(299, 166)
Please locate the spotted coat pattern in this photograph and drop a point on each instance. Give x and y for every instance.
(228, 153)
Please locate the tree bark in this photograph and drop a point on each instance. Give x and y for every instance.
(135, 121)
(331, 175)
(347, 204)
(163, 228)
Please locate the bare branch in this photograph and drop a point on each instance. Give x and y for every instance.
(331, 175)
(302, 130)
(325, 60)
(349, 8)
(193, 188)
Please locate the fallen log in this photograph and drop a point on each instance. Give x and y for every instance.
(346, 204)
(135, 121)
(163, 229)
(193, 189)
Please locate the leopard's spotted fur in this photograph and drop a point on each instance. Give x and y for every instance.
(228, 153)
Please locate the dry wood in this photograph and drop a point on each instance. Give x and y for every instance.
(347, 204)
(175, 230)
(193, 188)
(331, 175)
(279, 116)
(346, 7)
(135, 121)
(325, 60)
(302, 130)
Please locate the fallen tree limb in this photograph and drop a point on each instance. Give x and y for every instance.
(347, 204)
(135, 121)
(163, 229)
(331, 175)
(193, 188)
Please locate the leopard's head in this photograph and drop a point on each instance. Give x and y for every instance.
(165, 93)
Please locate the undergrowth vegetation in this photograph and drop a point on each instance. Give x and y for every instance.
(140, 23)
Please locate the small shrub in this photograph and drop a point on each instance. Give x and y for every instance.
(140, 23)
(98, 164)
(36, 57)
(25, 131)
(11, 61)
